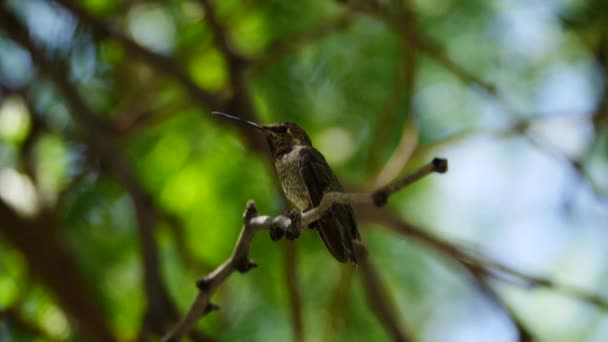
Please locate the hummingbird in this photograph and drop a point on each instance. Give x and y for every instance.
(305, 177)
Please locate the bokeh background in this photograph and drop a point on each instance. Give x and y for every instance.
(118, 189)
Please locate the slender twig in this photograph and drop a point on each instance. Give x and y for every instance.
(238, 261)
(575, 165)
(378, 197)
(239, 100)
(253, 222)
(483, 284)
(474, 262)
(404, 24)
(293, 290)
(161, 63)
(401, 96)
(377, 296)
(220, 37)
(425, 43)
(337, 305)
(499, 271)
(401, 155)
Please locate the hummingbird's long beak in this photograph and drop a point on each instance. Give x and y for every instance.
(250, 123)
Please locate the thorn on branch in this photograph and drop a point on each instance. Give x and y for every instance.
(210, 308)
(245, 265)
(292, 234)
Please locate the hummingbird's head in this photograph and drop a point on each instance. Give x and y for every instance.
(281, 137)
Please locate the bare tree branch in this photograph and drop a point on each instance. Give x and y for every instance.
(209, 284)
(253, 222)
(401, 155)
(482, 283)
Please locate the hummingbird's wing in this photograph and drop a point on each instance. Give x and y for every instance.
(337, 227)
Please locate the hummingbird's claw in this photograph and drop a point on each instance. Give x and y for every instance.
(276, 232)
(211, 307)
(293, 230)
(292, 234)
(245, 265)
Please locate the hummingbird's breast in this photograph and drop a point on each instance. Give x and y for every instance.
(288, 171)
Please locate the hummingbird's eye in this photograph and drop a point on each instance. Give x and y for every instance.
(282, 129)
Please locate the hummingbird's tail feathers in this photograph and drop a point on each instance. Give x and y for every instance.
(330, 235)
(335, 236)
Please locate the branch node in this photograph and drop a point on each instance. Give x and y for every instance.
(250, 211)
(210, 308)
(245, 265)
(543, 282)
(440, 165)
(380, 197)
(203, 284)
